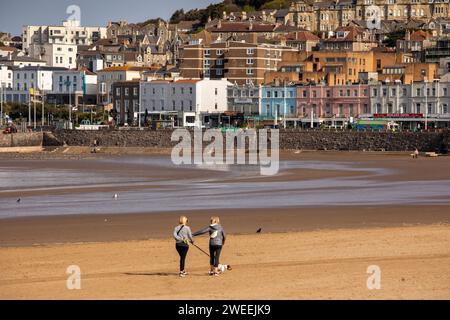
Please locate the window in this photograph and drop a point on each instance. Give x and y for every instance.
(127, 92)
(219, 72)
(249, 72)
(135, 91)
(118, 92)
(219, 62)
(207, 52)
(219, 52)
(250, 61)
(215, 91)
(250, 51)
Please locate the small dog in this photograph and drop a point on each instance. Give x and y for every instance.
(224, 267)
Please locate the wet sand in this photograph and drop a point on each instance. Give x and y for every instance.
(319, 251)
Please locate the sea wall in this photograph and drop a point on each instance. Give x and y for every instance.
(289, 140)
(34, 139)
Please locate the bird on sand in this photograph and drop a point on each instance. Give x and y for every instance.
(18, 200)
(259, 230)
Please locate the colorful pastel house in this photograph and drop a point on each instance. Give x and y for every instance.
(279, 102)
(321, 101)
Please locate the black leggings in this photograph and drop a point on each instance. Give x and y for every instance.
(214, 252)
(182, 251)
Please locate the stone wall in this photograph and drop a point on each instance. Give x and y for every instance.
(289, 140)
(21, 140)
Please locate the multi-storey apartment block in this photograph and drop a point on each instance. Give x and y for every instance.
(71, 32)
(239, 62)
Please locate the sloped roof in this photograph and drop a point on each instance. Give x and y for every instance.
(242, 27)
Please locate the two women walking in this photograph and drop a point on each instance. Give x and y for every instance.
(217, 237)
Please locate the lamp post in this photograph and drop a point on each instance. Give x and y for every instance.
(43, 103)
(426, 104)
(68, 84)
(34, 109)
(140, 103)
(29, 108)
(1, 102)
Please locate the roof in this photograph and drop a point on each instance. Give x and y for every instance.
(187, 25)
(302, 36)
(124, 68)
(281, 13)
(4, 48)
(187, 81)
(419, 35)
(22, 58)
(242, 27)
(39, 68)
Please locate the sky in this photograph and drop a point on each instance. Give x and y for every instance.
(16, 13)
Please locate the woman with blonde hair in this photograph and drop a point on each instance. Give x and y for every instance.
(217, 239)
(183, 235)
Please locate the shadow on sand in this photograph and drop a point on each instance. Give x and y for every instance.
(155, 274)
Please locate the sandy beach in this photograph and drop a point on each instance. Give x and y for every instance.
(348, 211)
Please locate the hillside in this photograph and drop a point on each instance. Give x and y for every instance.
(216, 10)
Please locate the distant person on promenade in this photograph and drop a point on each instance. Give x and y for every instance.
(183, 235)
(416, 154)
(217, 239)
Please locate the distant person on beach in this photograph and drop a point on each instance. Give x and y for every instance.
(183, 235)
(416, 154)
(217, 239)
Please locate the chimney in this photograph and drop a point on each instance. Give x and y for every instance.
(219, 24)
(250, 27)
(244, 15)
(224, 15)
(264, 17)
(408, 35)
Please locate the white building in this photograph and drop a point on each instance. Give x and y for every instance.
(55, 55)
(71, 32)
(81, 85)
(21, 61)
(38, 78)
(6, 77)
(199, 100)
(413, 104)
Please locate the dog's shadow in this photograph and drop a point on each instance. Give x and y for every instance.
(155, 274)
